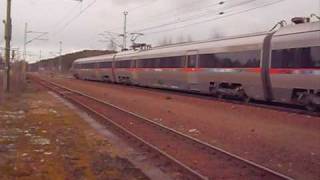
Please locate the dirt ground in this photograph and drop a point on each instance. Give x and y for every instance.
(1, 85)
(285, 142)
(40, 138)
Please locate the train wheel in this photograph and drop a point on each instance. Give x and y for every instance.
(220, 96)
(311, 107)
(246, 99)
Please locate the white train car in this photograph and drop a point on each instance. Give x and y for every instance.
(280, 66)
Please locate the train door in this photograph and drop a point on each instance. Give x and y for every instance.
(133, 72)
(265, 66)
(96, 71)
(113, 66)
(190, 72)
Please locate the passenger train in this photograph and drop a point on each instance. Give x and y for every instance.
(278, 66)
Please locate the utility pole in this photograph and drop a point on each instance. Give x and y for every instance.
(40, 55)
(25, 41)
(125, 31)
(60, 56)
(8, 33)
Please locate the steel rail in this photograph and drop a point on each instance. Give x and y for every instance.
(280, 107)
(197, 141)
(149, 145)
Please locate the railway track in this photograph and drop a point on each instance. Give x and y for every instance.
(296, 109)
(193, 158)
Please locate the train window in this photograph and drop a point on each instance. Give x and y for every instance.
(148, 63)
(133, 63)
(307, 57)
(192, 61)
(92, 65)
(208, 61)
(246, 59)
(315, 56)
(172, 62)
(88, 66)
(77, 66)
(123, 64)
(140, 63)
(164, 62)
(105, 65)
(152, 63)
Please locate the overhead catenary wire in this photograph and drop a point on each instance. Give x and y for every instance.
(165, 13)
(216, 18)
(142, 6)
(74, 18)
(58, 23)
(194, 17)
(169, 12)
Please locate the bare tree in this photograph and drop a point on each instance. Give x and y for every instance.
(112, 46)
(189, 39)
(165, 41)
(216, 33)
(181, 38)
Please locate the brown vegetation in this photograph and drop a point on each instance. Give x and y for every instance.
(17, 79)
(40, 138)
(66, 61)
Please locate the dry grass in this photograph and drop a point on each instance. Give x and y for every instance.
(17, 81)
(41, 138)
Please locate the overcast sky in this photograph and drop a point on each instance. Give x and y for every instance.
(78, 24)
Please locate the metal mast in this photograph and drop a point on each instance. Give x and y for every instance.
(125, 31)
(25, 41)
(8, 33)
(60, 56)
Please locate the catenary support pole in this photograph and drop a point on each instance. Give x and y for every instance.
(125, 31)
(8, 30)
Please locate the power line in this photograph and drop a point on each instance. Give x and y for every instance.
(165, 13)
(193, 11)
(169, 12)
(75, 17)
(142, 5)
(193, 17)
(67, 14)
(217, 18)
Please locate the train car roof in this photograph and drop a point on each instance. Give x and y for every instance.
(101, 58)
(231, 44)
(298, 28)
(297, 35)
(228, 44)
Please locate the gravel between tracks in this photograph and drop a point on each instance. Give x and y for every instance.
(286, 142)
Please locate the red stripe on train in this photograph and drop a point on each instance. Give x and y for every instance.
(280, 71)
(293, 70)
(191, 69)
